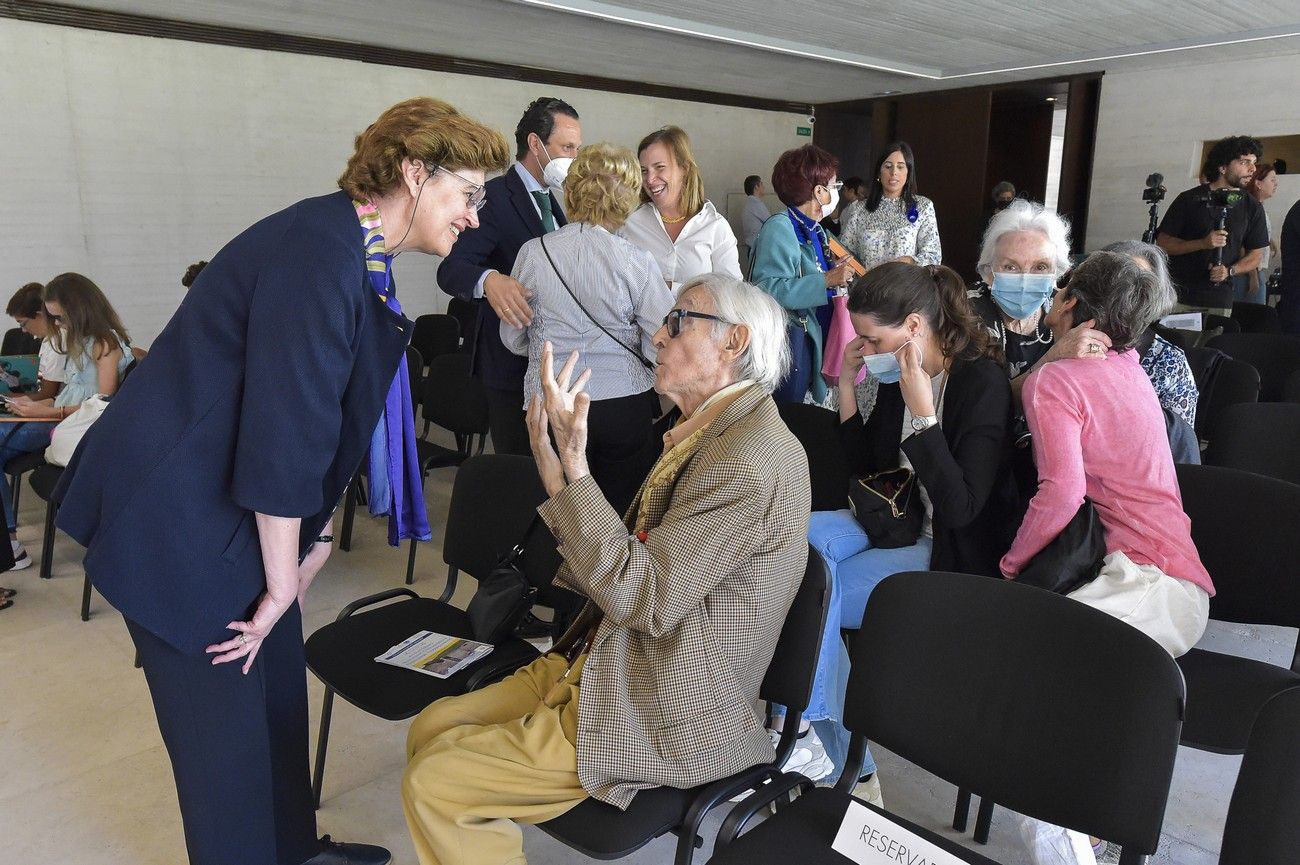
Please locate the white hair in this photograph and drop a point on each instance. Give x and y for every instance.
(1022, 215)
(767, 358)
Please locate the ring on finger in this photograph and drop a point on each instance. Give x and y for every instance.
(243, 639)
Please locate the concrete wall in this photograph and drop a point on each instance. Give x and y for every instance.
(127, 158)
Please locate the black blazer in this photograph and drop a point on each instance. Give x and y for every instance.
(506, 222)
(261, 394)
(965, 464)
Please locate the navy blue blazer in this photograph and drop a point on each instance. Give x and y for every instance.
(261, 394)
(506, 222)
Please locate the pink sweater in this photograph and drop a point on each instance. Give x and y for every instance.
(1098, 431)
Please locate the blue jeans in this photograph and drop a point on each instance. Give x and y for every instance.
(855, 568)
(19, 439)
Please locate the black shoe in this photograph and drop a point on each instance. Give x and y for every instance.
(532, 627)
(349, 854)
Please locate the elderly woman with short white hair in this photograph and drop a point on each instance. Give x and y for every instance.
(657, 682)
(597, 293)
(1026, 248)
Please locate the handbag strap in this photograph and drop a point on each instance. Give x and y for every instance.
(632, 351)
(518, 549)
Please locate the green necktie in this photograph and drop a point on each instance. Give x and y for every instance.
(543, 200)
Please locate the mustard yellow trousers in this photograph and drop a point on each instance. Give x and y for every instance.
(478, 762)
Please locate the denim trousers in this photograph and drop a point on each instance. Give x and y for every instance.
(19, 439)
(855, 569)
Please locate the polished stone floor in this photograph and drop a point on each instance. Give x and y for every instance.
(84, 779)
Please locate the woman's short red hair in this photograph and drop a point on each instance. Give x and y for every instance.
(799, 171)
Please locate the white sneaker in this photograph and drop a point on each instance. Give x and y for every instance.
(22, 559)
(808, 757)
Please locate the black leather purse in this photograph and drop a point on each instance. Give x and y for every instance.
(888, 506)
(1073, 558)
(504, 596)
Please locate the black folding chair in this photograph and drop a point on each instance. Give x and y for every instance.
(465, 312)
(992, 685)
(455, 401)
(435, 335)
(1262, 828)
(1256, 317)
(1243, 527)
(604, 832)
(1274, 356)
(493, 499)
(415, 373)
(818, 431)
(1233, 382)
(18, 341)
(1291, 390)
(1258, 437)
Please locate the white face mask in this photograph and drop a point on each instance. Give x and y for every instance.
(828, 209)
(885, 368)
(555, 172)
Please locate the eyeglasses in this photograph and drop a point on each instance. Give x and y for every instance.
(839, 184)
(673, 320)
(475, 198)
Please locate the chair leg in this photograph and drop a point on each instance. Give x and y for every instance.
(962, 810)
(322, 742)
(410, 565)
(85, 600)
(15, 486)
(138, 663)
(349, 514)
(984, 820)
(47, 543)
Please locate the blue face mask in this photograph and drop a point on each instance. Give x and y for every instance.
(885, 367)
(1020, 295)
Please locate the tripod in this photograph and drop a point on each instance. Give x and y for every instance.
(1149, 236)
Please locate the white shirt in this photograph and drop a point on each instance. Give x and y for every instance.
(706, 244)
(531, 185)
(52, 363)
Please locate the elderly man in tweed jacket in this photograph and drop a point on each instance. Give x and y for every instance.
(687, 599)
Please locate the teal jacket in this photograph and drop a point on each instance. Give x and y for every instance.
(788, 270)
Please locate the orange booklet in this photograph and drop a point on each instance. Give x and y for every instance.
(838, 250)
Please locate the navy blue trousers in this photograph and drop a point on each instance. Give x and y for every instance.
(795, 385)
(238, 747)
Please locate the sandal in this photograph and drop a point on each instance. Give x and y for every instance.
(6, 594)
(6, 603)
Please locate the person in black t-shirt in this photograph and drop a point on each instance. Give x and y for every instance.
(1188, 235)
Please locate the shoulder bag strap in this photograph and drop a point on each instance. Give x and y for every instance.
(632, 351)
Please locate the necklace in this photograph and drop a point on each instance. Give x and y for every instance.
(671, 220)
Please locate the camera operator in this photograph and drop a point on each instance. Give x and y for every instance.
(1190, 235)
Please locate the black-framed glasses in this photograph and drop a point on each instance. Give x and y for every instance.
(673, 320)
(475, 198)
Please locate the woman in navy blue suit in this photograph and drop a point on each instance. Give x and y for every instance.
(205, 493)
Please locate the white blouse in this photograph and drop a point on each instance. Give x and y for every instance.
(706, 244)
(885, 233)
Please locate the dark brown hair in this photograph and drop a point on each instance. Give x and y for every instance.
(87, 314)
(892, 291)
(27, 302)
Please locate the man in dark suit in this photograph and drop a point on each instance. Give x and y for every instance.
(523, 203)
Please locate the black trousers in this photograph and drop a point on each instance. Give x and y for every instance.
(238, 746)
(506, 421)
(621, 446)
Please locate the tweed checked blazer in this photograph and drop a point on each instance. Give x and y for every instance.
(693, 613)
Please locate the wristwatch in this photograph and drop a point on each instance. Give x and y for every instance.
(1232, 270)
(921, 424)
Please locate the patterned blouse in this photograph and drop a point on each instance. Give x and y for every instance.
(1166, 365)
(885, 233)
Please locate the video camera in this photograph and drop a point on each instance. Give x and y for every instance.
(1225, 198)
(1155, 191)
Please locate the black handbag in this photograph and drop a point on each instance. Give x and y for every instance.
(888, 506)
(1073, 558)
(504, 596)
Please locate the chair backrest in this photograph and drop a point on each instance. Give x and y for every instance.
(436, 335)
(1262, 828)
(1256, 317)
(789, 677)
(493, 499)
(1028, 698)
(1274, 356)
(415, 372)
(453, 398)
(1243, 525)
(1232, 382)
(466, 313)
(818, 431)
(1258, 437)
(1291, 390)
(1210, 321)
(19, 341)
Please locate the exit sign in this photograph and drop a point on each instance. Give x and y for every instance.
(805, 131)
